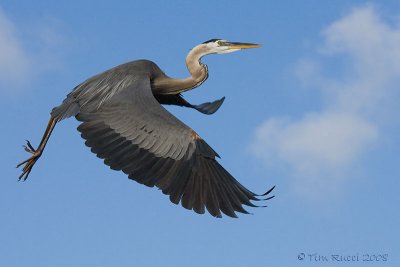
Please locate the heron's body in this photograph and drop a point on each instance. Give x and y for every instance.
(124, 124)
(91, 94)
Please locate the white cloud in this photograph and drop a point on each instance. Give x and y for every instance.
(26, 54)
(373, 48)
(322, 140)
(14, 62)
(321, 145)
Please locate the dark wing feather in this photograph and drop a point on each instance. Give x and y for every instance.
(207, 108)
(132, 132)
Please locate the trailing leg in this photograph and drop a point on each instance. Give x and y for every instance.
(36, 153)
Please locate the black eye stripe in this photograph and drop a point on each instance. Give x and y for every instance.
(211, 41)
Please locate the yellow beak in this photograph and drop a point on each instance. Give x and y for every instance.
(236, 45)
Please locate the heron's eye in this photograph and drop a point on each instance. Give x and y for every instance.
(219, 42)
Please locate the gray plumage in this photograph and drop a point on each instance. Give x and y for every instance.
(123, 123)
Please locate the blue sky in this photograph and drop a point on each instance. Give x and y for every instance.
(314, 112)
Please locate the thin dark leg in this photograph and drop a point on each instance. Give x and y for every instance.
(36, 153)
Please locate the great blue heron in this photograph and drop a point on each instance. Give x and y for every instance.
(124, 124)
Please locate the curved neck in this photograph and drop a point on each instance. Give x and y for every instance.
(197, 70)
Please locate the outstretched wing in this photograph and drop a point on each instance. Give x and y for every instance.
(132, 132)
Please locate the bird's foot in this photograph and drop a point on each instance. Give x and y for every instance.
(30, 162)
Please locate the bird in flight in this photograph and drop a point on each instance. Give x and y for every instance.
(124, 123)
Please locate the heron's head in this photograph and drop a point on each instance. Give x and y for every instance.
(215, 46)
(218, 46)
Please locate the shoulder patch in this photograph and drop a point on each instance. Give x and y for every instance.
(195, 136)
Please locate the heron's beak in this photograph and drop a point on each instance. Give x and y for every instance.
(236, 45)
